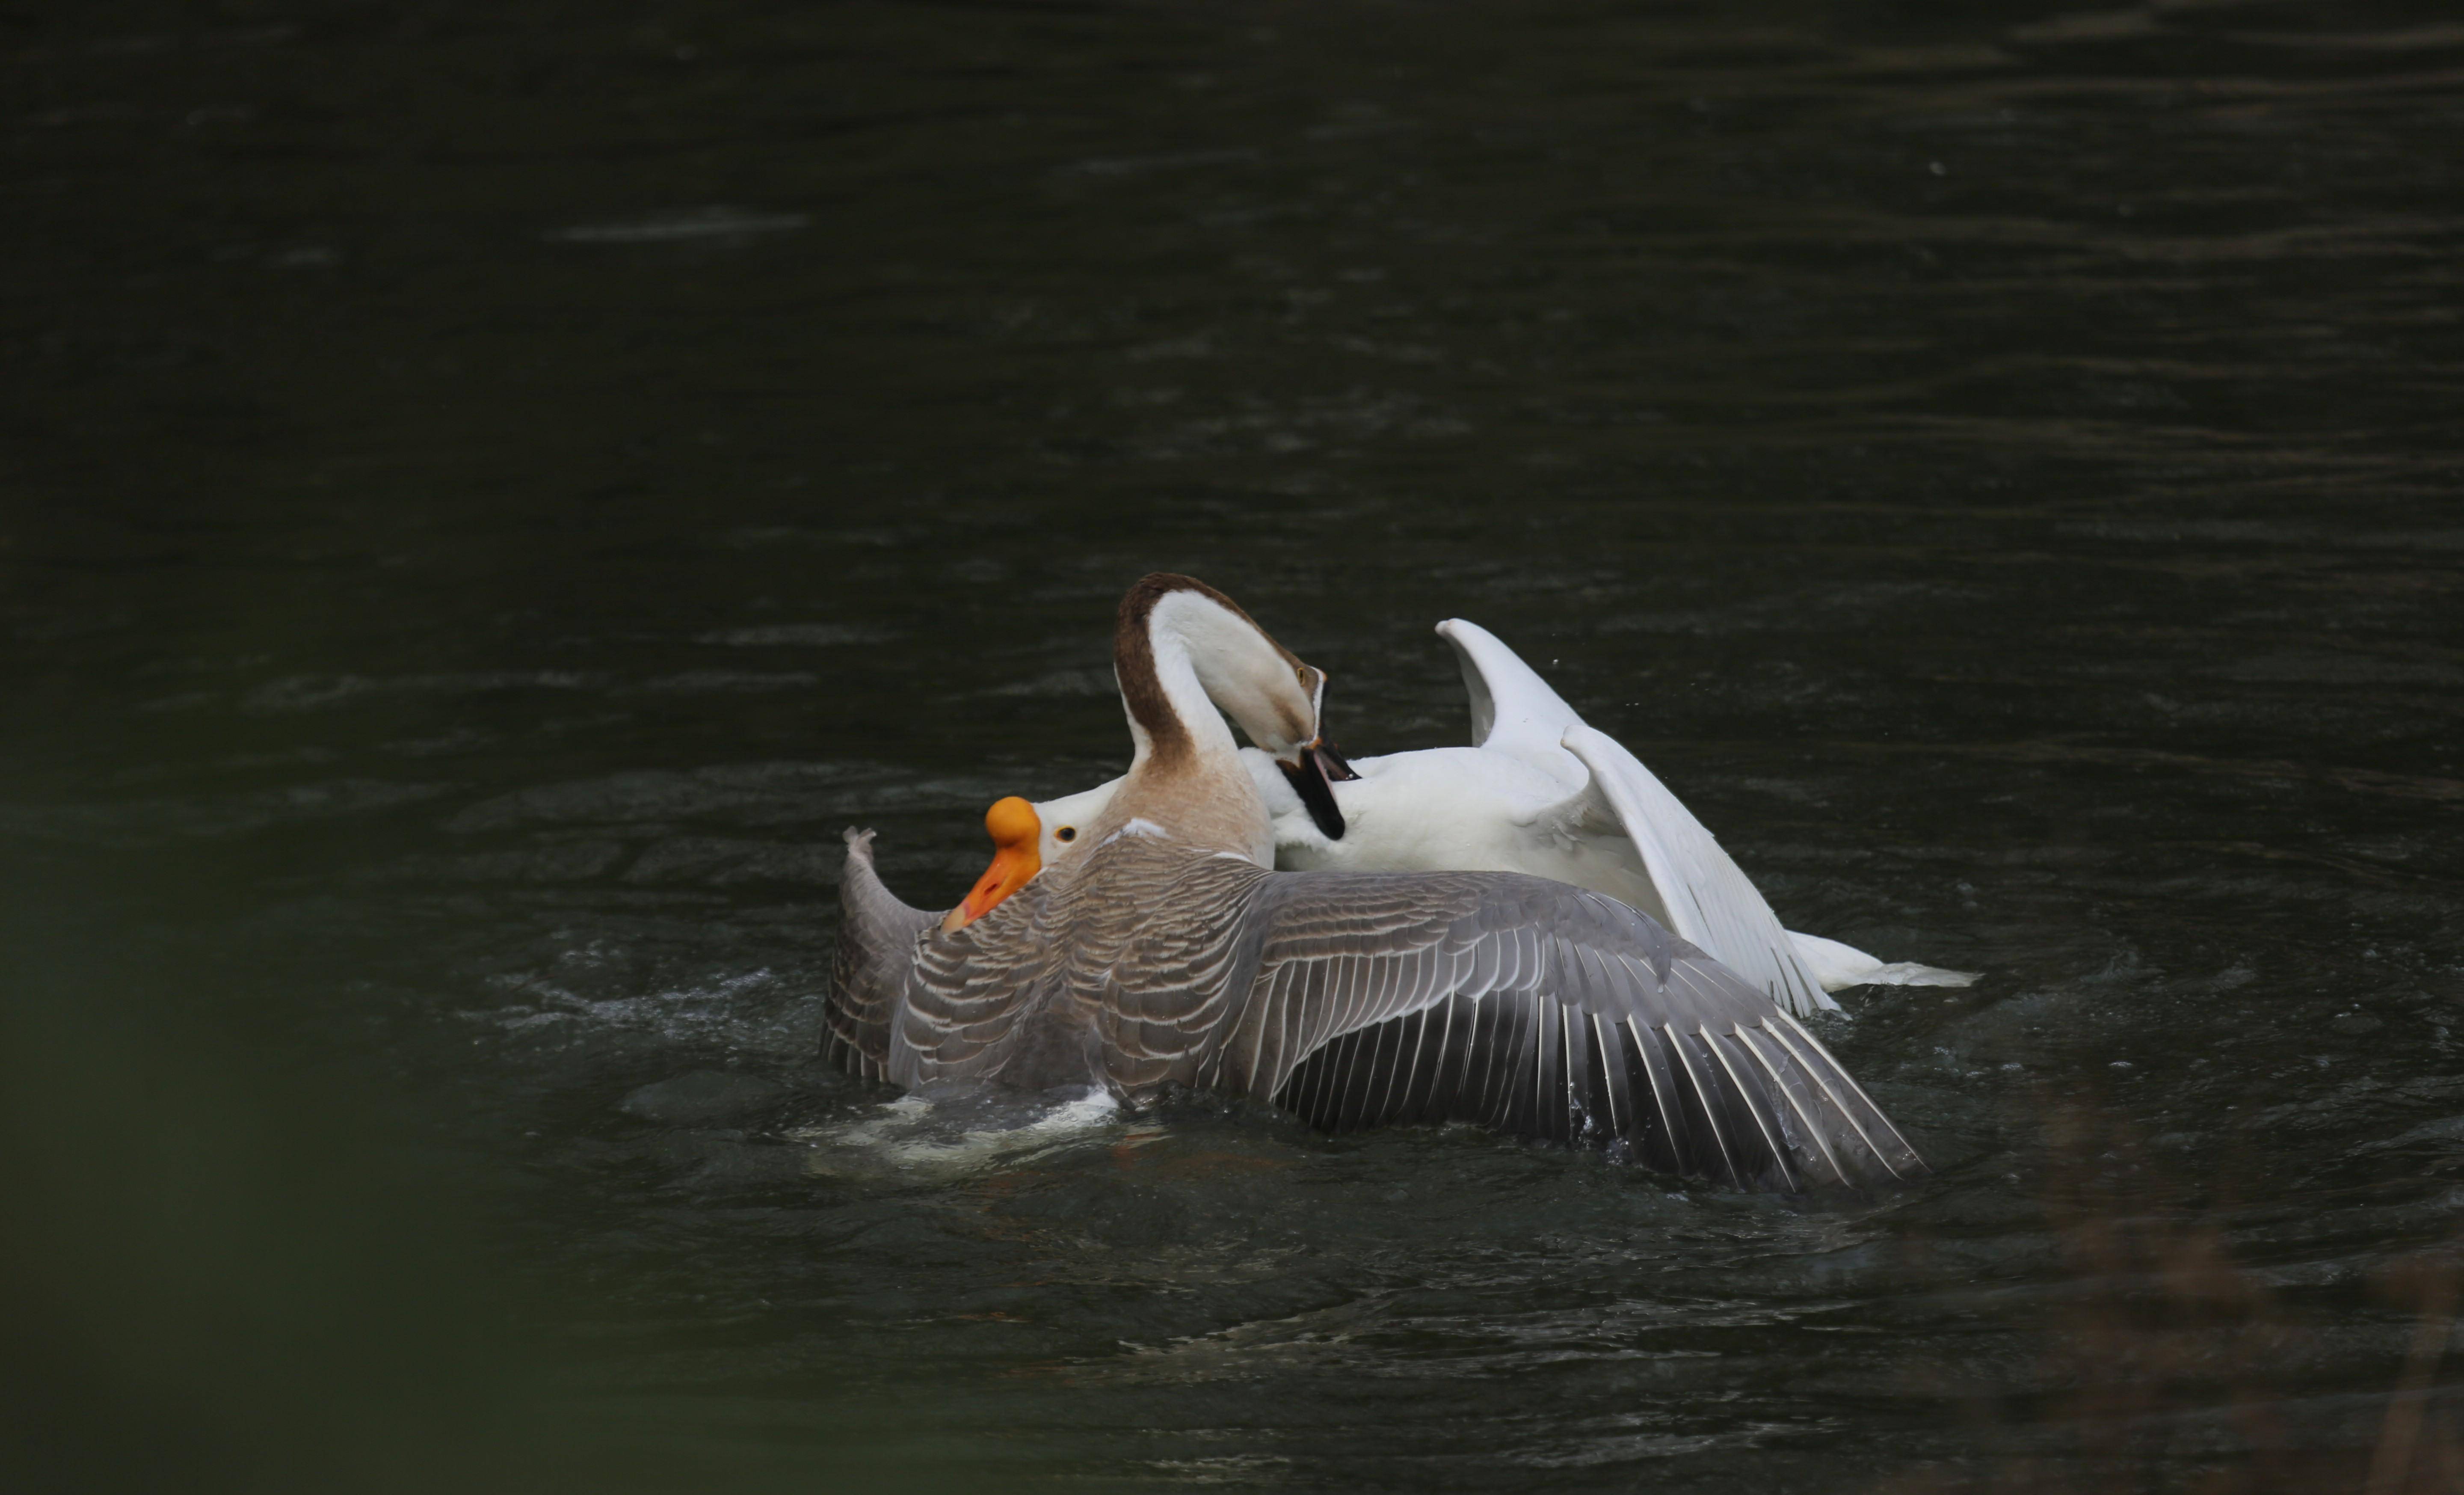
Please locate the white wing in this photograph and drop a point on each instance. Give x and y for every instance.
(1512, 710)
(1709, 900)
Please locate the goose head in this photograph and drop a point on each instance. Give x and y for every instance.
(1017, 857)
(1061, 825)
(1027, 839)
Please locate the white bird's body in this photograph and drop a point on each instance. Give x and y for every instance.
(1542, 793)
(1463, 809)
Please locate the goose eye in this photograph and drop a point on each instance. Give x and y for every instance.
(1065, 833)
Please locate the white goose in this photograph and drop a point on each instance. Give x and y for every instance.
(1162, 951)
(1542, 793)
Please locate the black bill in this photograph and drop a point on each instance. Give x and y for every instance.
(1321, 766)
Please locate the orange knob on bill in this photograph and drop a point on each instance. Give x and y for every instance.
(1015, 830)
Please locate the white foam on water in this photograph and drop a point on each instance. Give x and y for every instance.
(921, 1137)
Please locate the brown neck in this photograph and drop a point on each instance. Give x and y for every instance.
(1168, 740)
(1133, 663)
(1204, 797)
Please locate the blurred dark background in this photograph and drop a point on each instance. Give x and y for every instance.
(487, 491)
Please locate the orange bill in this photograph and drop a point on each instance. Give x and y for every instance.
(1015, 832)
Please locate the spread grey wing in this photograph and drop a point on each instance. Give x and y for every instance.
(1538, 1008)
(876, 953)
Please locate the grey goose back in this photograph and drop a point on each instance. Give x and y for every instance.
(1167, 953)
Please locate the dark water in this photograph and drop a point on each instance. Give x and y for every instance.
(491, 490)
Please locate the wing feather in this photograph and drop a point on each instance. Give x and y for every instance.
(1611, 1044)
(1665, 1102)
(1753, 1099)
(1792, 1089)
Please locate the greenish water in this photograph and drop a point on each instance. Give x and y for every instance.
(487, 492)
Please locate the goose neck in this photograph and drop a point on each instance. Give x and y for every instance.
(1185, 655)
